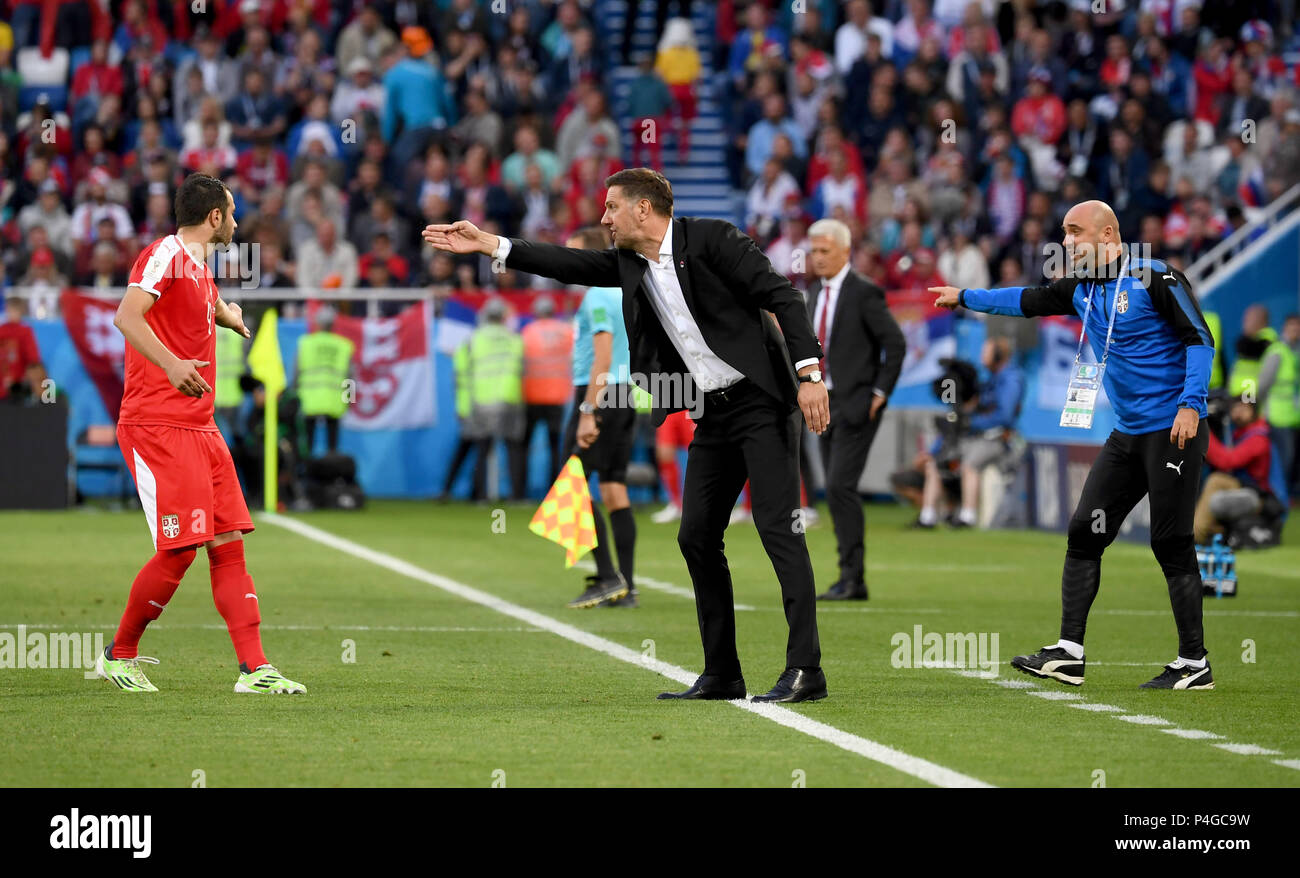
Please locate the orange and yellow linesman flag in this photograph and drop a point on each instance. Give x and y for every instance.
(565, 515)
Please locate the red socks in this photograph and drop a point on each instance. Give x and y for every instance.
(236, 600)
(672, 479)
(153, 587)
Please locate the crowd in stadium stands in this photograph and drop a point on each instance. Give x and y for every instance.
(950, 135)
(953, 136)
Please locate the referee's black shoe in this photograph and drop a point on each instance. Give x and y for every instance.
(1180, 676)
(600, 590)
(1053, 662)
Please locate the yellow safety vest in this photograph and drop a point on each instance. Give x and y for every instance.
(323, 359)
(1245, 372)
(230, 365)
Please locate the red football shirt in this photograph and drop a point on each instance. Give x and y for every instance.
(183, 318)
(18, 352)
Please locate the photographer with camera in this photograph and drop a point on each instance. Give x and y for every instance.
(1237, 497)
(977, 430)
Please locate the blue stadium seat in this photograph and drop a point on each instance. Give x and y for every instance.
(29, 95)
(177, 52)
(77, 57)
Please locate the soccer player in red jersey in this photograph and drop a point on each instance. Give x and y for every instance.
(182, 467)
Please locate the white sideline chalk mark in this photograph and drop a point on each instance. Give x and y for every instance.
(1248, 750)
(1193, 734)
(1120, 713)
(1140, 719)
(1014, 684)
(1268, 614)
(1096, 708)
(1053, 695)
(877, 752)
(660, 585)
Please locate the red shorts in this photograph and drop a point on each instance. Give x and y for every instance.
(187, 483)
(677, 430)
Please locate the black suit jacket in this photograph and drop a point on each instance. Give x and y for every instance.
(862, 332)
(728, 285)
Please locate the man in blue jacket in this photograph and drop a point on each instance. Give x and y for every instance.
(1156, 350)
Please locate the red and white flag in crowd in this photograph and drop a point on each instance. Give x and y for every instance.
(99, 343)
(393, 370)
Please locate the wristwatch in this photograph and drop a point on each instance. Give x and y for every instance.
(813, 377)
(586, 408)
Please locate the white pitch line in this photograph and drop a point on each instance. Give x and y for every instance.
(1268, 614)
(1249, 749)
(914, 765)
(1193, 734)
(1140, 719)
(1053, 695)
(1014, 684)
(1096, 708)
(1120, 713)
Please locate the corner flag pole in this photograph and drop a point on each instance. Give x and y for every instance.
(270, 449)
(267, 366)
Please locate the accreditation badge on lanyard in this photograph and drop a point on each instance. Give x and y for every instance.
(1085, 378)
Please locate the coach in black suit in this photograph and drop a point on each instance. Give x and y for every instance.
(695, 293)
(864, 354)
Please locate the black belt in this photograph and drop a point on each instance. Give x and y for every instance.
(729, 394)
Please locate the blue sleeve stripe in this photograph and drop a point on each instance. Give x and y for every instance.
(1004, 301)
(1180, 295)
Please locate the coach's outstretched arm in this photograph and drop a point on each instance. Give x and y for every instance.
(591, 268)
(1054, 298)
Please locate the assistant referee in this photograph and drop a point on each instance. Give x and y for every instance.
(1157, 376)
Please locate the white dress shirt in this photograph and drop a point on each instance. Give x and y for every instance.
(829, 296)
(710, 371)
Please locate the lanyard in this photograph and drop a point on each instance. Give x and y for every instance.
(1110, 328)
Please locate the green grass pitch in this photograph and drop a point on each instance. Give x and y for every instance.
(448, 692)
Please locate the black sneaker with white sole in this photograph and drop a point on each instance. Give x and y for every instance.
(1180, 676)
(1053, 662)
(599, 591)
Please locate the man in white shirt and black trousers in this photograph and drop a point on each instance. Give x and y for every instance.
(695, 293)
(864, 356)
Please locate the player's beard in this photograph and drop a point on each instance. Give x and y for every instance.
(223, 236)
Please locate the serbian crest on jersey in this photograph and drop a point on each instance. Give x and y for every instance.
(171, 526)
(1121, 301)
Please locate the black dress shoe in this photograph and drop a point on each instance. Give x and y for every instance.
(797, 684)
(844, 591)
(710, 689)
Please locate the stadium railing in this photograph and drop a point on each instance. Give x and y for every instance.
(1230, 246)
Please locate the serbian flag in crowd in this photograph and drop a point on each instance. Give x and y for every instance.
(565, 515)
(99, 344)
(930, 334)
(393, 370)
